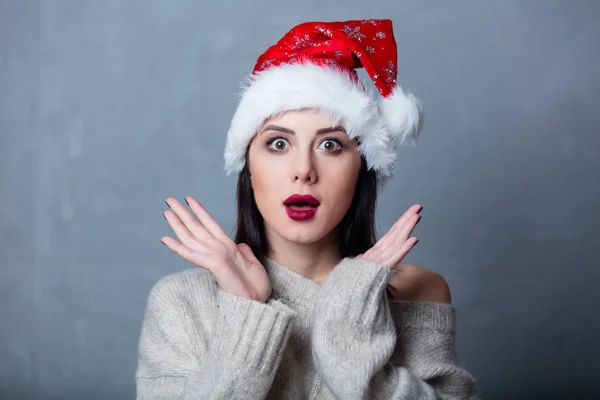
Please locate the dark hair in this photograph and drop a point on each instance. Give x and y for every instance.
(356, 230)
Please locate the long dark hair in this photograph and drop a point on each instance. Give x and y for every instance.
(356, 231)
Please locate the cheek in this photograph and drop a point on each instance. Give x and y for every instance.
(264, 181)
(263, 190)
(341, 185)
(345, 175)
(342, 192)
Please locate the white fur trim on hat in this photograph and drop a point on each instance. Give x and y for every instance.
(299, 86)
(402, 115)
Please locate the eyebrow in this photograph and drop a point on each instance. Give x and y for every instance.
(291, 132)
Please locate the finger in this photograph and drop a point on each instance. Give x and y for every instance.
(404, 250)
(184, 252)
(388, 246)
(412, 210)
(181, 231)
(405, 231)
(248, 253)
(393, 249)
(192, 225)
(207, 220)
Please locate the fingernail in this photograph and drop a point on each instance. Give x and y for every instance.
(186, 202)
(167, 204)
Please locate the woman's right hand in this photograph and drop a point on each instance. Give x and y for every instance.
(205, 244)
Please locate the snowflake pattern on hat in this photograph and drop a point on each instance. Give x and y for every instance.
(342, 42)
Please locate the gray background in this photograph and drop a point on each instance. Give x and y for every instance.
(109, 107)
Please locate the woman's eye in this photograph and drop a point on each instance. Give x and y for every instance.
(278, 144)
(330, 145)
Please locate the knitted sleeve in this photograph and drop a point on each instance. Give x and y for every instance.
(229, 350)
(354, 339)
(426, 347)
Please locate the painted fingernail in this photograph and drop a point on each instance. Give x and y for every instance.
(186, 202)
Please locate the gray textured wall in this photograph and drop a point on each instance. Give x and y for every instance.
(108, 107)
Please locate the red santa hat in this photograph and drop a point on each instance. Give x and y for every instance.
(314, 66)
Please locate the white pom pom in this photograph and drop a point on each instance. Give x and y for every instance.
(402, 115)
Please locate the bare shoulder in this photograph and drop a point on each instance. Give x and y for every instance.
(417, 271)
(426, 285)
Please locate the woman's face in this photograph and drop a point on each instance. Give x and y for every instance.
(300, 152)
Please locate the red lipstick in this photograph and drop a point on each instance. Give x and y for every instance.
(300, 207)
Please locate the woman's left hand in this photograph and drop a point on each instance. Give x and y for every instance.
(410, 282)
(395, 245)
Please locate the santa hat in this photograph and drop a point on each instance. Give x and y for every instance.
(314, 66)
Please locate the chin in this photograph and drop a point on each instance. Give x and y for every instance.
(301, 233)
(302, 236)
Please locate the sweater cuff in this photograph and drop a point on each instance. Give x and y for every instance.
(352, 274)
(251, 335)
(433, 316)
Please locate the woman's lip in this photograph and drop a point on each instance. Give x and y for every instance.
(302, 198)
(301, 215)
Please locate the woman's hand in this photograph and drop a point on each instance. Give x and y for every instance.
(205, 244)
(394, 245)
(410, 282)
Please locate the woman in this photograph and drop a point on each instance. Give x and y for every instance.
(297, 307)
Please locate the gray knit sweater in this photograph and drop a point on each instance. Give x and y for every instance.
(342, 339)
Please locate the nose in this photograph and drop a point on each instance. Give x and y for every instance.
(304, 169)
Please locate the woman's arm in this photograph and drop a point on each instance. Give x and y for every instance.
(198, 345)
(421, 307)
(426, 345)
(354, 338)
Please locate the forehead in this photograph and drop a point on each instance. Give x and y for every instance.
(308, 118)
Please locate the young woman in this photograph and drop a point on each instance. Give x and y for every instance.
(305, 303)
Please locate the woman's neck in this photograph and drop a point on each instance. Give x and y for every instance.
(312, 260)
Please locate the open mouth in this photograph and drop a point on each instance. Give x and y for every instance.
(301, 200)
(301, 206)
